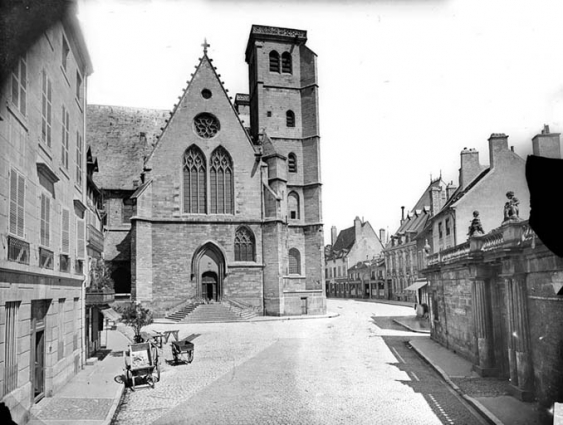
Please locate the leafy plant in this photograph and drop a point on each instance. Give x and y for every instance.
(100, 277)
(136, 316)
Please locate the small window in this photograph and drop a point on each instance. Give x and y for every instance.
(293, 205)
(286, 63)
(440, 230)
(447, 226)
(290, 119)
(206, 94)
(292, 163)
(269, 113)
(244, 245)
(294, 261)
(274, 61)
(78, 86)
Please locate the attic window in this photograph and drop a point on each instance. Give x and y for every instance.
(206, 94)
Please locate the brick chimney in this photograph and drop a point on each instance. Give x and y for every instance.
(547, 144)
(333, 235)
(498, 146)
(470, 167)
(358, 227)
(435, 199)
(450, 189)
(382, 236)
(402, 215)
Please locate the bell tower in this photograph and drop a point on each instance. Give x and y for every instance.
(284, 118)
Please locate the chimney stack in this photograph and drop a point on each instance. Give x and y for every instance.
(358, 226)
(470, 166)
(547, 144)
(450, 189)
(333, 235)
(435, 193)
(402, 214)
(498, 145)
(382, 236)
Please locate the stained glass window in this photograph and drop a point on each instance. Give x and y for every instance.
(195, 196)
(221, 182)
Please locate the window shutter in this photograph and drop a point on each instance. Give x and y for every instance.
(14, 202)
(66, 231)
(80, 249)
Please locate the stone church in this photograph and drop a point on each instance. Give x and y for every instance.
(228, 213)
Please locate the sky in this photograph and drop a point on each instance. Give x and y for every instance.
(404, 85)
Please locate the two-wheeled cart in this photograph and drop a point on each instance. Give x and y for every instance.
(182, 350)
(141, 365)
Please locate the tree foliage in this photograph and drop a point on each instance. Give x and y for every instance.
(136, 316)
(100, 277)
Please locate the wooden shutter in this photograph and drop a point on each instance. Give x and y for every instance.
(66, 232)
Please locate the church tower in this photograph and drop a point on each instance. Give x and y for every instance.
(283, 94)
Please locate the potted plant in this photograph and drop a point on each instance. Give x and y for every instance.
(136, 316)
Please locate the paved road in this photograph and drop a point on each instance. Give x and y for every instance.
(353, 369)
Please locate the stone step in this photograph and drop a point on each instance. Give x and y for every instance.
(212, 313)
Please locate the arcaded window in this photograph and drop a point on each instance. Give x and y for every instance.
(293, 205)
(194, 181)
(294, 261)
(274, 61)
(286, 62)
(290, 119)
(221, 182)
(244, 244)
(292, 163)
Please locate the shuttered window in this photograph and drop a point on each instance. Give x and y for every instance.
(65, 242)
(274, 61)
(17, 196)
(294, 261)
(290, 119)
(80, 247)
(79, 151)
(65, 138)
(61, 326)
(292, 163)
(45, 220)
(19, 85)
(221, 182)
(11, 348)
(286, 62)
(195, 188)
(46, 108)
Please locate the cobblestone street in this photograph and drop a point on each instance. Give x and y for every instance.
(344, 370)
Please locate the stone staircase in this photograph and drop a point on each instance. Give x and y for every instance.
(183, 311)
(215, 312)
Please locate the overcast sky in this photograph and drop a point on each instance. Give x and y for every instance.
(404, 85)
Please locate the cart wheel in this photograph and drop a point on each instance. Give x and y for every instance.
(158, 372)
(150, 381)
(191, 356)
(120, 379)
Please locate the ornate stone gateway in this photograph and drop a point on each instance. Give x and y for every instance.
(208, 266)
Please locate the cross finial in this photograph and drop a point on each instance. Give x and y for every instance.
(205, 45)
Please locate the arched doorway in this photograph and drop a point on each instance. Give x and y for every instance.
(209, 271)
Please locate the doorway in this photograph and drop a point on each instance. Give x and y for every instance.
(38, 312)
(209, 286)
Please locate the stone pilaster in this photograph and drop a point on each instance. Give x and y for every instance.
(483, 328)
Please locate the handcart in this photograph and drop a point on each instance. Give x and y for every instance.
(141, 365)
(183, 349)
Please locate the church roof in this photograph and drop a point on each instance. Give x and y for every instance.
(121, 137)
(203, 60)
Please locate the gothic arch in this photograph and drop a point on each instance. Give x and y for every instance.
(245, 244)
(275, 62)
(194, 169)
(214, 254)
(293, 206)
(221, 182)
(286, 63)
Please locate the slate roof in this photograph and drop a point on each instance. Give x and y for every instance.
(458, 194)
(345, 240)
(121, 137)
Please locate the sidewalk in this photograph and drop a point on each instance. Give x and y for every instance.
(487, 395)
(90, 397)
(414, 324)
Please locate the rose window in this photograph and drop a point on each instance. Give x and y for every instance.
(206, 125)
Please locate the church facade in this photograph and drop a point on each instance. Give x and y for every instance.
(228, 213)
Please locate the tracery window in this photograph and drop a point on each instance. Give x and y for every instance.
(290, 119)
(244, 244)
(293, 205)
(195, 195)
(274, 61)
(206, 125)
(286, 62)
(221, 182)
(292, 163)
(294, 261)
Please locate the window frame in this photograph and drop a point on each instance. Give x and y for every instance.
(46, 108)
(292, 163)
(200, 171)
(249, 243)
(216, 170)
(286, 63)
(18, 95)
(296, 270)
(274, 62)
(290, 119)
(65, 137)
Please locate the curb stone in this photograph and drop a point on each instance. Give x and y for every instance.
(486, 413)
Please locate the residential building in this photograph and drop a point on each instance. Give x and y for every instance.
(43, 214)
(355, 247)
(496, 296)
(403, 254)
